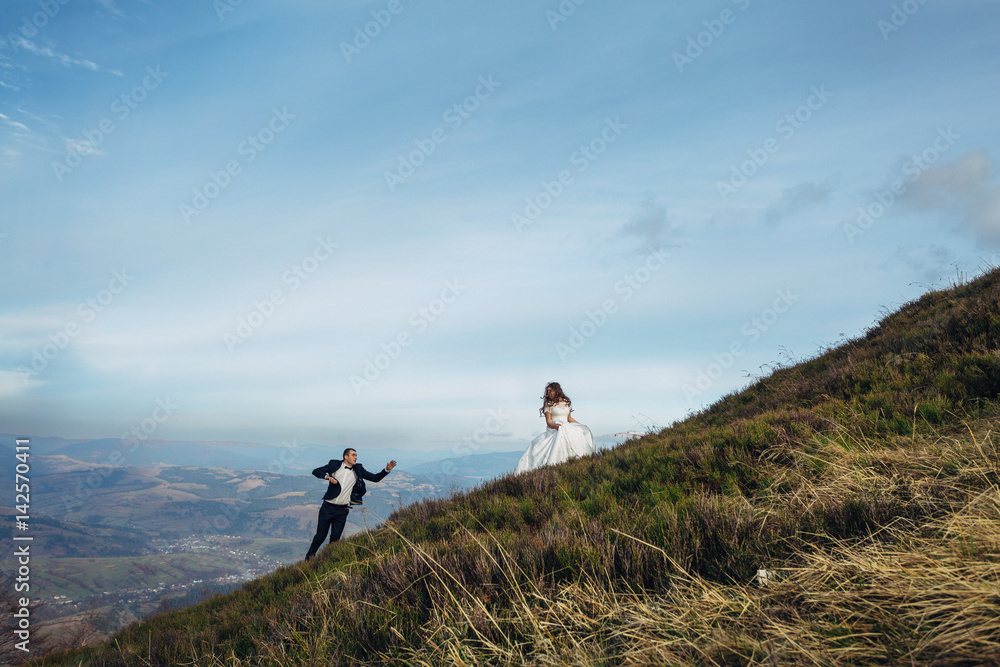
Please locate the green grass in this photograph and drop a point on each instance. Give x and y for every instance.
(865, 478)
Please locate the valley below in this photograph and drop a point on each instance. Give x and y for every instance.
(115, 543)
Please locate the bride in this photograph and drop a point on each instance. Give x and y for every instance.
(565, 437)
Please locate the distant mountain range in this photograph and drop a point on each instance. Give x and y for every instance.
(290, 459)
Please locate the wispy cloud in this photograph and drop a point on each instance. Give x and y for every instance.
(23, 134)
(61, 58)
(9, 68)
(47, 52)
(82, 147)
(965, 188)
(14, 125)
(31, 326)
(17, 131)
(8, 158)
(796, 199)
(111, 7)
(649, 224)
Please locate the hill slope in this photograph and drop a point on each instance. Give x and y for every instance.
(864, 482)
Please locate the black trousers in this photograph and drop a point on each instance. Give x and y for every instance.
(332, 519)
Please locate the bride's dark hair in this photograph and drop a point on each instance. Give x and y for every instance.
(559, 397)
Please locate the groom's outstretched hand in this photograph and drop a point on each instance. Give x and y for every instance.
(390, 465)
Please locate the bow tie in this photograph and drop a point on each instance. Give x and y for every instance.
(349, 467)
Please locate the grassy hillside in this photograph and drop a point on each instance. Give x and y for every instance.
(864, 481)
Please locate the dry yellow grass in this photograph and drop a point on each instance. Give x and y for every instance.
(912, 594)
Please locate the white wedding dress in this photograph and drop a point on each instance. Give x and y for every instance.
(557, 444)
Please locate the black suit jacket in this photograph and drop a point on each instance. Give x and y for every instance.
(333, 490)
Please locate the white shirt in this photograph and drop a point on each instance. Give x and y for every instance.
(346, 479)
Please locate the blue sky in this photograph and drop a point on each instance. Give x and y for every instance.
(235, 209)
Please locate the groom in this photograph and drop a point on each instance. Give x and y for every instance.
(346, 488)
